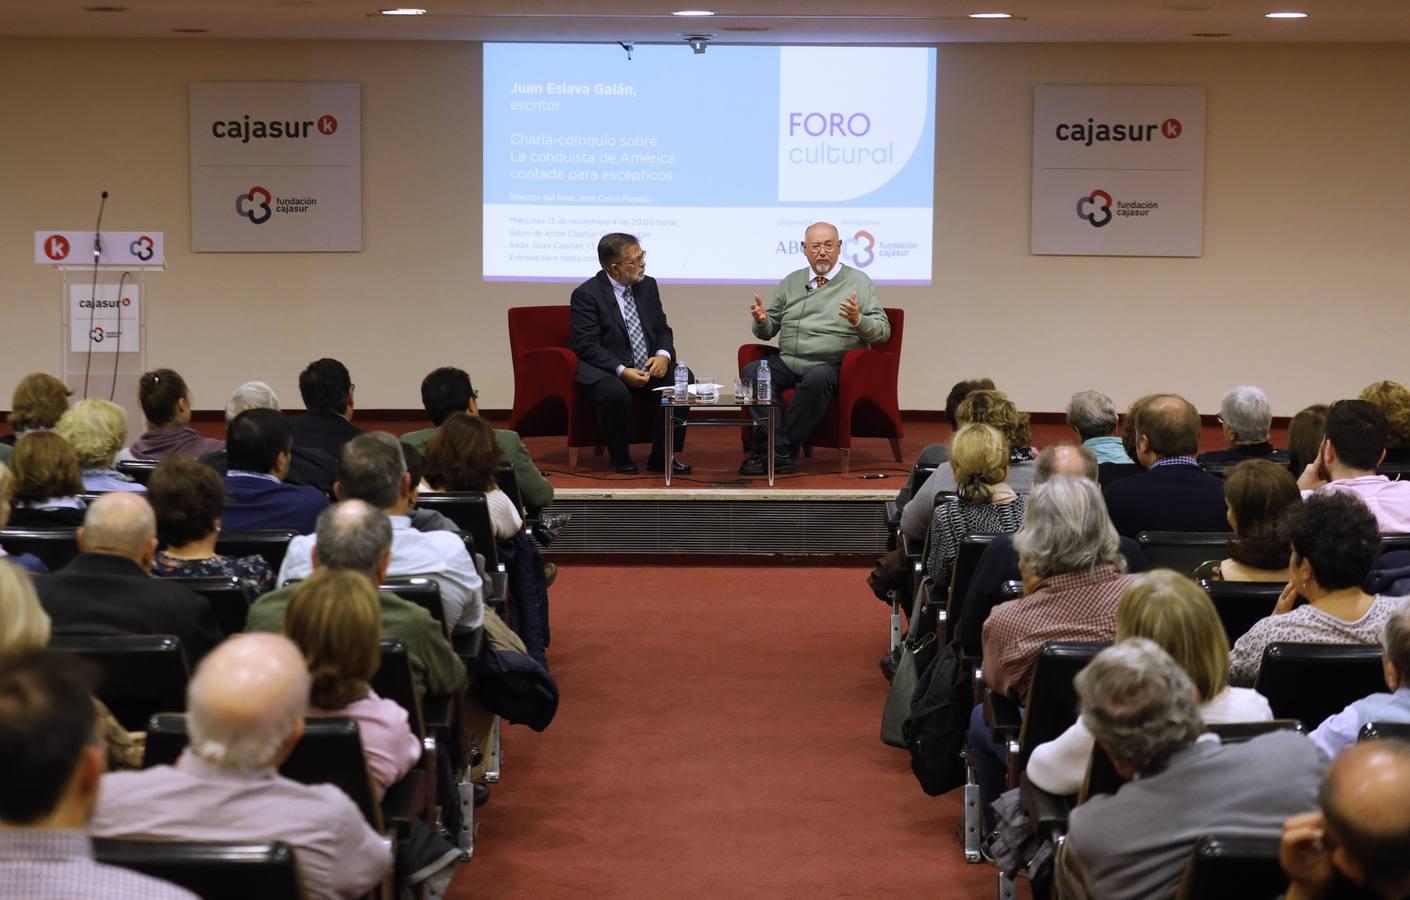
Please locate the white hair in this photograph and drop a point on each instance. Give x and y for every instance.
(1246, 410)
(1139, 703)
(1066, 529)
(1091, 414)
(251, 395)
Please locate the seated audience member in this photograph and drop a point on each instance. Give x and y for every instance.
(259, 443)
(447, 391)
(373, 469)
(311, 467)
(47, 483)
(999, 563)
(166, 404)
(187, 498)
(25, 629)
(1092, 415)
(1305, 433)
(982, 407)
(1334, 545)
(1141, 708)
(245, 712)
(335, 620)
(934, 454)
(1340, 731)
(1393, 400)
(1246, 417)
(53, 766)
(1354, 445)
(1257, 493)
(106, 588)
(27, 561)
(355, 537)
(422, 519)
(96, 430)
(1129, 437)
(37, 405)
(1175, 494)
(462, 457)
(327, 391)
(985, 504)
(1358, 843)
(1170, 610)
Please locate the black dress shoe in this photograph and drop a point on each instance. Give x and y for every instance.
(625, 468)
(758, 465)
(677, 467)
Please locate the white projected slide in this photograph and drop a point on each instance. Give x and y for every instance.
(717, 162)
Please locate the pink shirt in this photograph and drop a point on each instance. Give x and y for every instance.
(1389, 500)
(387, 742)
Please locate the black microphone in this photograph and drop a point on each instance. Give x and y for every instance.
(98, 229)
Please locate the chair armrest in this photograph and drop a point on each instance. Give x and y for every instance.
(400, 802)
(913, 548)
(893, 514)
(1004, 717)
(868, 373)
(749, 353)
(1047, 812)
(557, 366)
(466, 643)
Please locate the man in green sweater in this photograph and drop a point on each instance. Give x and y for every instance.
(818, 313)
(448, 390)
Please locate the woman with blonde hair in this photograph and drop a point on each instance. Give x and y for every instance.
(25, 629)
(336, 619)
(1393, 400)
(47, 483)
(1175, 613)
(983, 503)
(96, 430)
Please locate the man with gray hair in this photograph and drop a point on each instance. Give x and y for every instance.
(373, 469)
(1092, 415)
(1339, 731)
(312, 467)
(358, 537)
(246, 707)
(1245, 417)
(108, 589)
(1143, 711)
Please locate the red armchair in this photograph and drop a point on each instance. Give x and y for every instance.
(866, 404)
(547, 398)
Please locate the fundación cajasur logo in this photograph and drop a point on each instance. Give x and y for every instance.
(259, 205)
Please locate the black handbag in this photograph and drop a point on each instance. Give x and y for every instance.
(916, 652)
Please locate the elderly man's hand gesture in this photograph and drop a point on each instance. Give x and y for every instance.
(850, 311)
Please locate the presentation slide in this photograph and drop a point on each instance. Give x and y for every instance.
(716, 161)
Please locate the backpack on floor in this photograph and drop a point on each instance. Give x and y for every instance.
(938, 726)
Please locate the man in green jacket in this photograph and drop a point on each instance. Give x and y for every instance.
(448, 390)
(818, 314)
(354, 535)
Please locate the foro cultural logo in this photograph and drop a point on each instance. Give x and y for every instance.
(56, 247)
(1096, 220)
(256, 213)
(860, 249)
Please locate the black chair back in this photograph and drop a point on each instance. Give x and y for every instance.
(1242, 603)
(1394, 471)
(330, 752)
(508, 482)
(394, 681)
(1392, 542)
(1376, 731)
(229, 597)
(1183, 551)
(424, 592)
(1011, 590)
(1103, 779)
(919, 475)
(1234, 867)
(234, 871)
(139, 470)
(139, 674)
(1309, 682)
(1051, 706)
(54, 546)
(1108, 473)
(271, 543)
(962, 576)
(471, 511)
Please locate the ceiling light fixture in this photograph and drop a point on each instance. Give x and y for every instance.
(1210, 34)
(991, 15)
(693, 12)
(191, 30)
(1285, 15)
(105, 9)
(403, 11)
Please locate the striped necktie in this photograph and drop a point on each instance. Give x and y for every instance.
(821, 280)
(634, 332)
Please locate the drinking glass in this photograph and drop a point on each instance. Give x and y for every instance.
(708, 393)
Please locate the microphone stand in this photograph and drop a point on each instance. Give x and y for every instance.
(93, 296)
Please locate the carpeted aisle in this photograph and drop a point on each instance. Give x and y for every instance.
(717, 738)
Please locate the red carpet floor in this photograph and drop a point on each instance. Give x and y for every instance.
(717, 738)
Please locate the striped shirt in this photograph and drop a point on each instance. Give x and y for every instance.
(1076, 606)
(38, 864)
(954, 520)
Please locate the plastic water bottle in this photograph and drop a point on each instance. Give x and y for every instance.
(763, 383)
(682, 383)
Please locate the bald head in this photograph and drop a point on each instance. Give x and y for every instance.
(121, 523)
(1366, 801)
(822, 246)
(247, 701)
(1167, 426)
(1065, 459)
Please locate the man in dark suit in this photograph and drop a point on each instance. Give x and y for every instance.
(327, 391)
(1174, 494)
(259, 443)
(308, 466)
(106, 588)
(625, 348)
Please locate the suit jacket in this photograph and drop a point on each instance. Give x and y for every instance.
(600, 333)
(99, 593)
(325, 433)
(261, 503)
(1168, 498)
(311, 467)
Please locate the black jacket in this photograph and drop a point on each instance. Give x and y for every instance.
(1168, 498)
(311, 467)
(600, 333)
(325, 433)
(99, 593)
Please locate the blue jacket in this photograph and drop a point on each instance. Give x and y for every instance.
(255, 502)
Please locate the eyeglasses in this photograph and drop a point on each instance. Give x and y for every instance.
(634, 262)
(825, 245)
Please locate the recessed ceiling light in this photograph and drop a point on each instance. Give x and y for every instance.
(692, 12)
(990, 16)
(1285, 15)
(105, 9)
(191, 30)
(403, 11)
(1210, 34)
